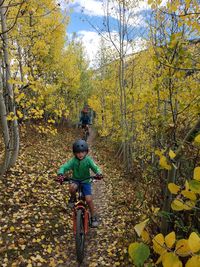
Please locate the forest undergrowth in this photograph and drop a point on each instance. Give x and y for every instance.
(35, 222)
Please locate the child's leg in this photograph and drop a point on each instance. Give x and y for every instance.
(72, 189)
(90, 203)
(87, 190)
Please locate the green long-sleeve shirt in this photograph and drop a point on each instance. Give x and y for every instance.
(81, 168)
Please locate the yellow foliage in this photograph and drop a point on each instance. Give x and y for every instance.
(170, 239)
(163, 163)
(182, 248)
(173, 188)
(197, 139)
(189, 194)
(197, 173)
(158, 153)
(158, 244)
(172, 154)
(19, 97)
(193, 262)
(171, 260)
(12, 229)
(19, 114)
(11, 117)
(140, 227)
(194, 242)
(188, 205)
(145, 237)
(177, 205)
(187, 187)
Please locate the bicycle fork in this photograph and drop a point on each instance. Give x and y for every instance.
(85, 217)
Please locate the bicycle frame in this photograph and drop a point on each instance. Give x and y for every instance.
(81, 219)
(85, 131)
(81, 204)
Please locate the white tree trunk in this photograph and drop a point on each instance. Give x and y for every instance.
(5, 130)
(14, 131)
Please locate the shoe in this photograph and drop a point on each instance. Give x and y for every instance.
(94, 222)
(71, 202)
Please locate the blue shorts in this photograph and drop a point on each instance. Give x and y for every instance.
(86, 188)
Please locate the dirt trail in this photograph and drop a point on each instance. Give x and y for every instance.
(37, 231)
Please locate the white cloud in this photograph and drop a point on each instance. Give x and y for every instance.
(138, 44)
(91, 41)
(89, 7)
(97, 8)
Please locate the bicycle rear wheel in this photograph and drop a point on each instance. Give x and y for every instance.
(80, 236)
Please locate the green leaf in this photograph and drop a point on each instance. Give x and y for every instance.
(194, 186)
(139, 253)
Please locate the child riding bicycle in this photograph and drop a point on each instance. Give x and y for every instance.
(85, 120)
(81, 164)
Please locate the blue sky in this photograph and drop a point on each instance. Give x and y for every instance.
(93, 11)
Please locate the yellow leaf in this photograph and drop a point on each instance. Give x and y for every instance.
(197, 173)
(170, 239)
(187, 187)
(179, 203)
(19, 97)
(194, 242)
(155, 210)
(145, 237)
(39, 258)
(163, 163)
(182, 248)
(188, 205)
(158, 153)
(176, 207)
(173, 188)
(49, 250)
(12, 229)
(172, 155)
(19, 114)
(189, 194)
(171, 260)
(193, 262)
(197, 139)
(158, 244)
(140, 227)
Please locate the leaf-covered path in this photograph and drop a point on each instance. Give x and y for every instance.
(35, 223)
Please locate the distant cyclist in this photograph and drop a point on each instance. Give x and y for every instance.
(85, 118)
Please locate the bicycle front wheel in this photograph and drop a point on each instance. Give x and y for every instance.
(80, 236)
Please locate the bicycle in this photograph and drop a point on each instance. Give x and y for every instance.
(86, 132)
(81, 218)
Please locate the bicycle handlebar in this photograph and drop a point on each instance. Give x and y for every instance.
(81, 180)
(91, 178)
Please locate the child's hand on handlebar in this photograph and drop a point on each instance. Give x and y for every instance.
(99, 176)
(60, 178)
